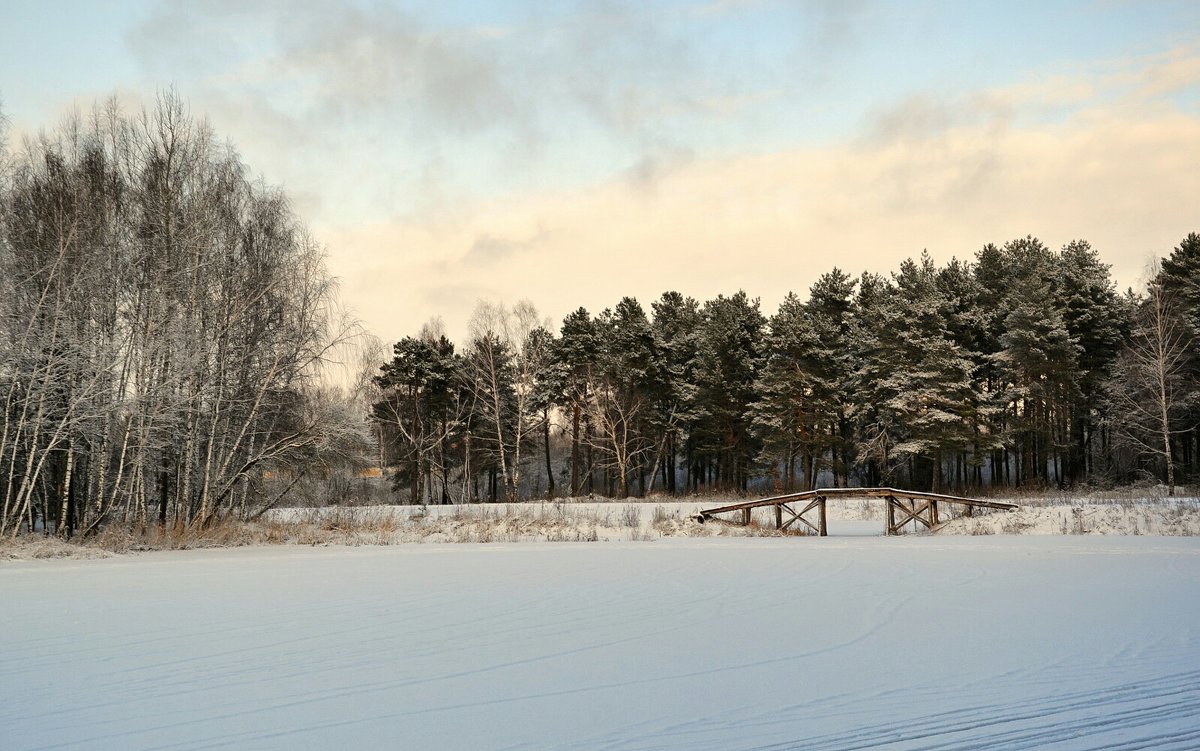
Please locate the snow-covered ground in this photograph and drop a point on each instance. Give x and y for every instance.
(575, 520)
(918, 642)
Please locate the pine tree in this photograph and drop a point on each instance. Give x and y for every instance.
(547, 390)
(784, 417)
(676, 330)
(1180, 277)
(727, 369)
(1039, 362)
(831, 363)
(575, 356)
(872, 438)
(420, 408)
(966, 321)
(925, 403)
(1094, 320)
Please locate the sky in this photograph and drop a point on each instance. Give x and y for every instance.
(572, 153)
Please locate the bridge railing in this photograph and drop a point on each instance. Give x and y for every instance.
(903, 506)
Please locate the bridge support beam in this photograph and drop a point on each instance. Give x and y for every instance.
(902, 507)
(925, 513)
(798, 516)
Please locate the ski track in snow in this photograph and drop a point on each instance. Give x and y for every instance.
(865, 643)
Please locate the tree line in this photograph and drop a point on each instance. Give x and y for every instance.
(163, 319)
(166, 322)
(1020, 368)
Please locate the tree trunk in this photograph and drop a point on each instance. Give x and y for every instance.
(575, 486)
(546, 443)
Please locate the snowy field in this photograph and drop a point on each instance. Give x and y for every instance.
(919, 642)
(578, 520)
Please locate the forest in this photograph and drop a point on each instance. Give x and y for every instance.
(1020, 368)
(168, 325)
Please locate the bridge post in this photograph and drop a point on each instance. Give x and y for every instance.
(745, 517)
(933, 514)
(822, 528)
(778, 516)
(890, 529)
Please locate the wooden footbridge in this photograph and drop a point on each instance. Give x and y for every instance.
(903, 506)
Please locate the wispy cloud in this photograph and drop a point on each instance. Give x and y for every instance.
(489, 249)
(772, 222)
(572, 156)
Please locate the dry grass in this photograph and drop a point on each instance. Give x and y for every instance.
(1165, 517)
(39, 547)
(577, 522)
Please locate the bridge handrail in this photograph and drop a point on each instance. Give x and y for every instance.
(860, 493)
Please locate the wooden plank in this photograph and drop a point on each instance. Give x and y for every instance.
(799, 516)
(861, 493)
(760, 502)
(911, 495)
(891, 496)
(802, 520)
(913, 514)
(811, 505)
(824, 531)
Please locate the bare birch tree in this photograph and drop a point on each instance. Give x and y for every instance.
(163, 320)
(504, 364)
(1148, 389)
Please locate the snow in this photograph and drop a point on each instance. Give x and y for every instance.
(918, 642)
(650, 520)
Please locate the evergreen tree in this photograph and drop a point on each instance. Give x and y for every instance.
(966, 320)
(727, 368)
(1039, 362)
(784, 416)
(420, 408)
(920, 381)
(676, 328)
(832, 363)
(871, 333)
(1095, 321)
(547, 390)
(1180, 277)
(575, 356)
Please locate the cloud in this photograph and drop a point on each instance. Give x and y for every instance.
(1125, 85)
(434, 114)
(574, 157)
(490, 249)
(613, 64)
(1120, 172)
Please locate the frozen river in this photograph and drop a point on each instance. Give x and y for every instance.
(835, 643)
